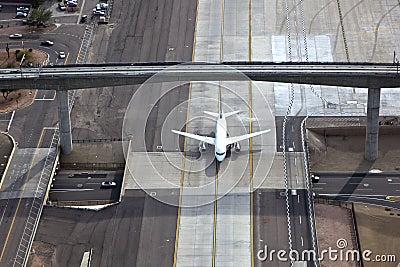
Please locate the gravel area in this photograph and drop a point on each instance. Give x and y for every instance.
(332, 224)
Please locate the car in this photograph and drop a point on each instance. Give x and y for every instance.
(98, 12)
(47, 43)
(72, 4)
(61, 54)
(84, 18)
(21, 15)
(108, 184)
(101, 6)
(315, 178)
(62, 7)
(22, 9)
(15, 36)
(393, 198)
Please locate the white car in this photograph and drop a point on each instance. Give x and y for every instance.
(61, 54)
(15, 36)
(98, 12)
(108, 184)
(22, 9)
(21, 15)
(101, 6)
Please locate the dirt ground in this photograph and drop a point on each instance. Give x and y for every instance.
(17, 27)
(333, 223)
(379, 231)
(346, 152)
(41, 254)
(20, 98)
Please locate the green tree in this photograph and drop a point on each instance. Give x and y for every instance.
(37, 3)
(40, 15)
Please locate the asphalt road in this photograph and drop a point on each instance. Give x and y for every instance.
(85, 187)
(122, 235)
(140, 231)
(270, 225)
(372, 188)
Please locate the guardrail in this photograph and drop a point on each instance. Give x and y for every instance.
(82, 56)
(98, 140)
(93, 166)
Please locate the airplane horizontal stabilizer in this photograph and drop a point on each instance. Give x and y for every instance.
(232, 113)
(213, 114)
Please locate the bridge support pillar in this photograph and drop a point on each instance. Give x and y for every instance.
(372, 129)
(64, 121)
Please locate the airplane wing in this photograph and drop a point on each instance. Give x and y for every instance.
(234, 139)
(206, 139)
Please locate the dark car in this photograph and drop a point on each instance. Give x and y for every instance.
(84, 18)
(62, 7)
(315, 178)
(46, 43)
(108, 184)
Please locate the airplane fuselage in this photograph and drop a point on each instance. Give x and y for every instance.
(220, 138)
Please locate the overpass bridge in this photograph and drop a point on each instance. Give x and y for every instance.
(373, 76)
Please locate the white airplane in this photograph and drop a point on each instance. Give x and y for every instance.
(221, 140)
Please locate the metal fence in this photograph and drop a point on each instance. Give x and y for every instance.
(92, 166)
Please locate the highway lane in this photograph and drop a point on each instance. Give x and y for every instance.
(372, 188)
(85, 187)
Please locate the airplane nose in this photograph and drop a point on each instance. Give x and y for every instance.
(219, 158)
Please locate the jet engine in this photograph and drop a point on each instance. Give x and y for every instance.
(237, 146)
(202, 146)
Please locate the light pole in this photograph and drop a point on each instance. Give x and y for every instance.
(20, 64)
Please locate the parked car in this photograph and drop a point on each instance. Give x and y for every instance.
(98, 12)
(22, 9)
(101, 6)
(108, 184)
(62, 7)
(15, 36)
(21, 15)
(72, 4)
(84, 18)
(61, 54)
(47, 43)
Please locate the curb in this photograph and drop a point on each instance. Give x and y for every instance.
(93, 208)
(9, 158)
